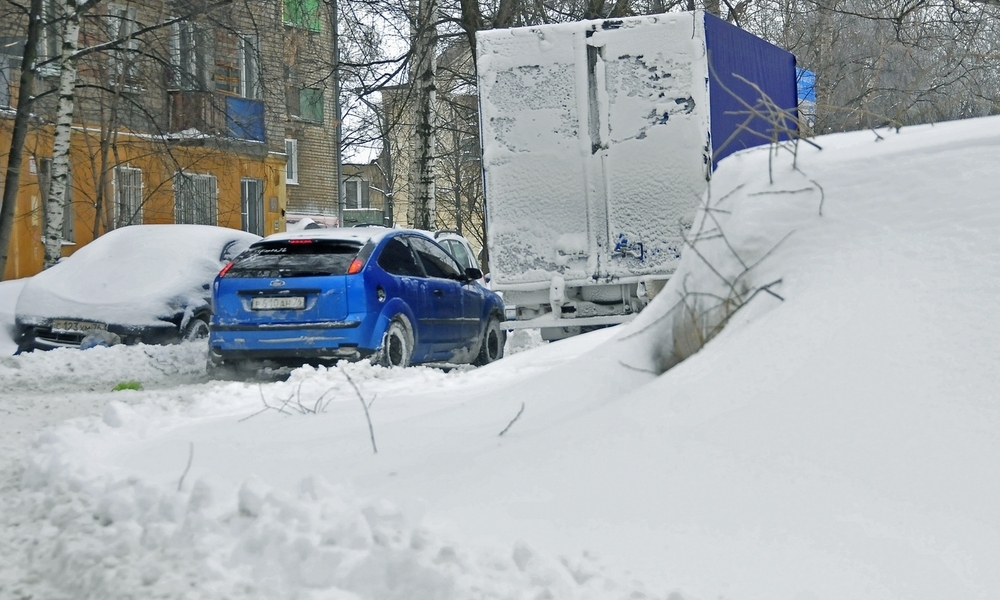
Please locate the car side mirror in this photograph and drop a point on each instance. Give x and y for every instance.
(473, 274)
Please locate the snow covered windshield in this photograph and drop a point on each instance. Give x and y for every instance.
(295, 258)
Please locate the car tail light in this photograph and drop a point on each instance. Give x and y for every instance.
(225, 269)
(356, 265)
(300, 241)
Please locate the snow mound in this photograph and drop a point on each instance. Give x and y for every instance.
(9, 291)
(102, 367)
(101, 536)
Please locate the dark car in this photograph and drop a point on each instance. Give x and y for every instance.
(391, 295)
(138, 284)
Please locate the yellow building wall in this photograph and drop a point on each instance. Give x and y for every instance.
(158, 164)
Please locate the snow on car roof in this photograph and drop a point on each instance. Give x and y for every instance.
(132, 275)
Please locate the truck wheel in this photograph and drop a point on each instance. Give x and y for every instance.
(494, 338)
(397, 345)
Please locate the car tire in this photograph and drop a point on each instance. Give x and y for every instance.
(397, 345)
(196, 329)
(494, 339)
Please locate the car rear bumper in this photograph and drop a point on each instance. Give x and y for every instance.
(332, 340)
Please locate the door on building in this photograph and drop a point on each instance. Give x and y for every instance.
(252, 196)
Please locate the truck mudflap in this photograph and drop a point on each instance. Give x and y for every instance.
(549, 320)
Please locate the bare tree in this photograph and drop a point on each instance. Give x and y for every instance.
(25, 102)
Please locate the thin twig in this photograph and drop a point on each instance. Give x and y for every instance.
(822, 195)
(156, 360)
(778, 192)
(512, 421)
(320, 407)
(298, 400)
(265, 409)
(371, 430)
(639, 369)
(180, 484)
(281, 409)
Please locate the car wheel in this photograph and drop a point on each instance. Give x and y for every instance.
(397, 345)
(494, 338)
(196, 329)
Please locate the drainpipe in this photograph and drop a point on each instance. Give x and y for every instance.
(341, 196)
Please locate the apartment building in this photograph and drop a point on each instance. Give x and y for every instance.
(218, 114)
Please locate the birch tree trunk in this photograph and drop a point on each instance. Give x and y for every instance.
(423, 76)
(56, 203)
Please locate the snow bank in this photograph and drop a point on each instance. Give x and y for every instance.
(9, 291)
(102, 367)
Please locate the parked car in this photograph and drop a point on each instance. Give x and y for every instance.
(459, 247)
(138, 284)
(391, 295)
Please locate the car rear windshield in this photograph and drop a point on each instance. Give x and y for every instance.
(295, 258)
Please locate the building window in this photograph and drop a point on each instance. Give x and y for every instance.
(191, 49)
(252, 205)
(306, 104)
(196, 199)
(5, 83)
(227, 62)
(128, 196)
(249, 65)
(357, 193)
(302, 13)
(51, 38)
(291, 162)
(122, 24)
(44, 185)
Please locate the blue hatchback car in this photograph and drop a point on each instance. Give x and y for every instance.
(321, 295)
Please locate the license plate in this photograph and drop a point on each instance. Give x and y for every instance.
(71, 326)
(279, 303)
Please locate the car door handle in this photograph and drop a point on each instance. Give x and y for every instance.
(439, 292)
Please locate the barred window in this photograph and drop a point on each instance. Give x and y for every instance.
(128, 196)
(252, 200)
(196, 199)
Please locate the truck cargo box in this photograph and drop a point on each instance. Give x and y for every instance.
(599, 138)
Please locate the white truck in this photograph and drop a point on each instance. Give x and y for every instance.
(599, 138)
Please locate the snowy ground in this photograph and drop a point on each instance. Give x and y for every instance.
(837, 440)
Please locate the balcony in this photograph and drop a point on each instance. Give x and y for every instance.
(217, 114)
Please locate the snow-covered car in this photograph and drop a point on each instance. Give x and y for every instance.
(138, 284)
